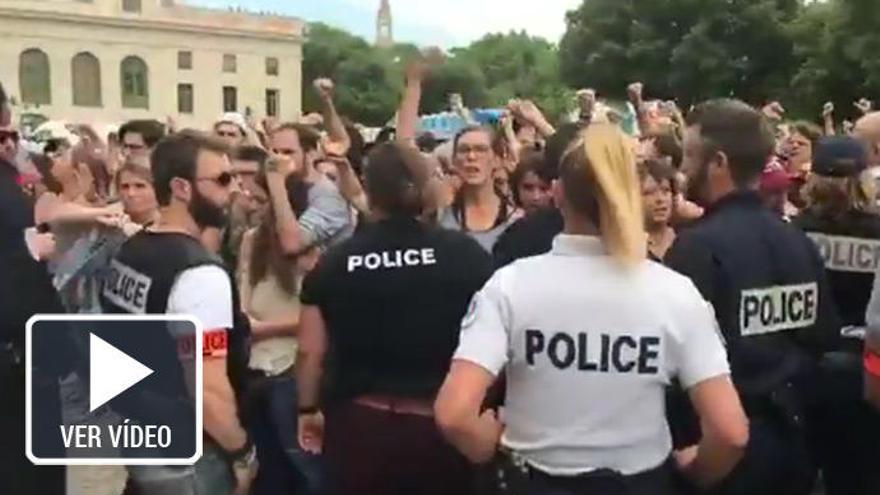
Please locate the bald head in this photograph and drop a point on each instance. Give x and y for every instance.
(867, 130)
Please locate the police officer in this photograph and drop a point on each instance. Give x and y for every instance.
(25, 289)
(766, 283)
(388, 302)
(590, 335)
(167, 270)
(840, 217)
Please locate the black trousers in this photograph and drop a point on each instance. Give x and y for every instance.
(18, 476)
(776, 462)
(372, 452)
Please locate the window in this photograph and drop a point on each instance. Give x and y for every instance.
(185, 98)
(184, 60)
(272, 102)
(131, 6)
(230, 99)
(271, 66)
(86, 71)
(135, 81)
(229, 63)
(33, 77)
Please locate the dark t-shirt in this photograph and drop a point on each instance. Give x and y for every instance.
(393, 297)
(528, 236)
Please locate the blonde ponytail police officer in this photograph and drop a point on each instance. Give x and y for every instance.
(589, 335)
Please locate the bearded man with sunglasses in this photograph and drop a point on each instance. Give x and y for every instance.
(192, 177)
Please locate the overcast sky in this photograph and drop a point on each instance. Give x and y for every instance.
(450, 23)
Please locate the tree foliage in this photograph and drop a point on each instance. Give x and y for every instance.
(489, 72)
(801, 53)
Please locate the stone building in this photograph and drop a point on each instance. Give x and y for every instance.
(107, 61)
(384, 26)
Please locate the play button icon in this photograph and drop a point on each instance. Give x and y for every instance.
(130, 390)
(111, 372)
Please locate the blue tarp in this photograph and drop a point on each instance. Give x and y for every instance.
(445, 125)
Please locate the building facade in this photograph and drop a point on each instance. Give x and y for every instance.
(108, 61)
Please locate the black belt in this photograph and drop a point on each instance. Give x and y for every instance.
(600, 481)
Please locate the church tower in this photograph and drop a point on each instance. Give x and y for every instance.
(384, 33)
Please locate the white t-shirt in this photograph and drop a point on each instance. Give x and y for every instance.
(204, 292)
(589, 347)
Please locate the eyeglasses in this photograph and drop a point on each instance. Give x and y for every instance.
(224, 179)
(477, 150)
(133, 147)
(8, 136)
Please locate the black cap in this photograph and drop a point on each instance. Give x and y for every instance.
(839, 156)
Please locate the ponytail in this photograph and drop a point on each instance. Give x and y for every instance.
(601, 181)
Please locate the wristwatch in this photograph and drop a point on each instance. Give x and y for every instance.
(243, 458)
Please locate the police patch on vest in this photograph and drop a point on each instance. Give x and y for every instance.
(848, 254)
(776, 309)
(127, 288)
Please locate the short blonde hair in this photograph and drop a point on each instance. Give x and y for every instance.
(601, 181)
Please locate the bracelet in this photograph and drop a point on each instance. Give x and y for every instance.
(304, 411)
(242, 452)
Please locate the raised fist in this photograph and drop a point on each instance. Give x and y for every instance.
(773, 110)
(864, 105)
(416, 71)
(828, 109)
(634, 91)
(324, 87)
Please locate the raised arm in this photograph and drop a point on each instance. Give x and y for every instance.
(286, 225)
(634, 94)
(526, 111)
(828, 118)
(408, 114)
(332, 121)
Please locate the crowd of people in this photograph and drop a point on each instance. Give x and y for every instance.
(689, 305)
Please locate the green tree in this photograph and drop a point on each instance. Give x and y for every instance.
(690, 49)
(454, 75)
(516, 65)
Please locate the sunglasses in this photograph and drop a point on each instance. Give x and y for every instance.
(224, 179)
(8, 136)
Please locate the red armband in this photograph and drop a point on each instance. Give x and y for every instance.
(215, 343)
(872, 362)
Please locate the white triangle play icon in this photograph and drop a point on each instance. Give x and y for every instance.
(111, 372)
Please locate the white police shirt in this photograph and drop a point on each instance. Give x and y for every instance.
(589, 347)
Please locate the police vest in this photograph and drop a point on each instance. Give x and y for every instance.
(140, 279)
(850, 248)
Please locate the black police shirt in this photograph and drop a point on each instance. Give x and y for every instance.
(766, 282)
(392, 298)
(850, 247)
(529, 236)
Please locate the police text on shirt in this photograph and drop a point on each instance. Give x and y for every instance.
(602, 353)
(127, 288)
(848, 254)
(397, 258)
(780, 308)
